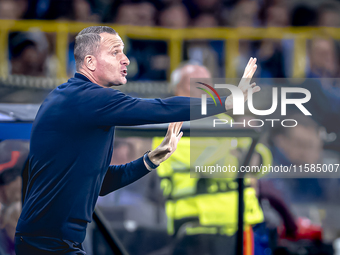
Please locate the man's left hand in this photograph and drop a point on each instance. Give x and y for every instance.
(168, 145)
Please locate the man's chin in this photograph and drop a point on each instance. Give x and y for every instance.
(118, 83)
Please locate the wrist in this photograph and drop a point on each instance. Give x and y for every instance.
(149, 160)
(146, 165)
(153, 156)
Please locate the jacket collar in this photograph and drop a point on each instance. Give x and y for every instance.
(82, 77)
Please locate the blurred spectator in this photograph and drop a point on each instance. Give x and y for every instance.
(174, 16)
(79, 10)
(298, 146)
(270, 52)
(125, 150)
(10, 191)
(277, 16)
(205, 20)
(146, 14)
(180, 79)
(8, 222)
(324, 58)
(324, 63)
(138, 193)
(206, 5)
(137, 14)
(300, 14)
(243, 15)
(51, 9)
(13, 154)
(127, 14)
(202, 51)
(267, 191)
(197, 7)
(28, 53)
(138, 207)
(149, 60)
(329, 14)
(303, 15)
(13, 9)
(195, 207)
(82, 12)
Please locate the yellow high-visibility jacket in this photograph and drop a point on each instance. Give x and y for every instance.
(213, 201)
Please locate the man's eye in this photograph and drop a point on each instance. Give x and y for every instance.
(115, 53)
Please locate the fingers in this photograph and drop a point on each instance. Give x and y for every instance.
(176, 128)
(256, 89)
(248, 64)
(249, 70)
(252, 71)
(179, 126)
(170, 129)
(246, 69)
(251, 62)
(175, 131)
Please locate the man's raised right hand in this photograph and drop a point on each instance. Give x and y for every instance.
(244, 84)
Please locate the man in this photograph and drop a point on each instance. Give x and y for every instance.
(196, 207)
(29, 54)
(72, 138)
(299, 146)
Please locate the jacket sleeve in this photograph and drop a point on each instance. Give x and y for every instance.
(105, 106)
(121, 175)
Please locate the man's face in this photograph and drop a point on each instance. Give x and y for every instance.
(187, 89)
(111, 67)
(323, 57)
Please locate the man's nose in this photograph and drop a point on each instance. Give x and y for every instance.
(125, 61)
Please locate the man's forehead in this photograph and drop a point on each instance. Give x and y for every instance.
(111, 40)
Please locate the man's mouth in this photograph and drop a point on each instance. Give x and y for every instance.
(124, 72)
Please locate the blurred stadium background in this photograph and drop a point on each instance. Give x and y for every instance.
(37, 39)
(290, 38)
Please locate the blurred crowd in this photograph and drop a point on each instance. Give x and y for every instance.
(305, 207)
(179, 13)
(149, 58)
(315, 140)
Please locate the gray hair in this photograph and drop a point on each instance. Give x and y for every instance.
(177, 74)
(87, 42)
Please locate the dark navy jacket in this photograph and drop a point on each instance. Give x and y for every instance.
(70, 152)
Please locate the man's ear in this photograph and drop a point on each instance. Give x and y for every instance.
(90, 62)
